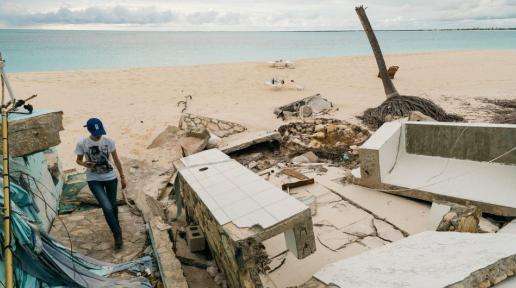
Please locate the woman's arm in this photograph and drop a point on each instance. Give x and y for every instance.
(118, 165)
(80, 161)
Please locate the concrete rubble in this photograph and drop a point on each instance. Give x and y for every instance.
(328, 137)
(307, 107)
(218, 127)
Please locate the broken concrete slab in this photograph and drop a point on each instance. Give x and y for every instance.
(460, 163)
(170, 268)
(384, 205)
(34, 132)
(429, 259)
(342, 230)
(509, 228)
(218, 127)
(247, 140)
(237, 210)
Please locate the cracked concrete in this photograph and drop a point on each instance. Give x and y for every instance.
(348, 220)
(89, 234)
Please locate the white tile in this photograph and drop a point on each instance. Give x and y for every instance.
(226, 165)
(235, 172)
(230, 196)
(255, 187)
(219, 188)
(258, 217)
(240, 208)
(285, 208)
(244, 179)
(220, 216)
(212, 180)
(269, 196)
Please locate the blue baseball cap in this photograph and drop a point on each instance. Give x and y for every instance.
(95, 127)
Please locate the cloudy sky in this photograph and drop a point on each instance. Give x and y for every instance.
(253, 14)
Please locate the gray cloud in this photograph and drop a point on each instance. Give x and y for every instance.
(94, 15)
(251, 14)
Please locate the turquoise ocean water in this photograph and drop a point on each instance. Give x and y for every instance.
(47, 50)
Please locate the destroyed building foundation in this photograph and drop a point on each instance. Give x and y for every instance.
(237, 210)
(464, 163)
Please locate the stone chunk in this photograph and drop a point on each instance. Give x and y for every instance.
(218, 127)
(460, 219)
(33, 133)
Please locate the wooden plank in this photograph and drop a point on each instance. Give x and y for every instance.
(299, 183)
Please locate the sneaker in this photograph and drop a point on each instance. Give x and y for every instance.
(119, 242)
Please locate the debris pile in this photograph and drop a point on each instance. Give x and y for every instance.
(307, 107)
(505, 111)
(461, 219)
(328, 138)
(402, 106)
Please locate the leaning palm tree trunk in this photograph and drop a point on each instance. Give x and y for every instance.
(395, 105)
(388, 86)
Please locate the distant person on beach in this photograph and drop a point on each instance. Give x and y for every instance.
(93, 152)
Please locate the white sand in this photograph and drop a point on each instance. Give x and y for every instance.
(136, 104)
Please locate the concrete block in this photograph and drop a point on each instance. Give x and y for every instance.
(35, 132)
(195, 238)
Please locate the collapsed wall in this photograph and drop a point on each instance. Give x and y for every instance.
(34, 162)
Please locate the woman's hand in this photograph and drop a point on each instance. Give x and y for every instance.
(123, 182)
(89, 164)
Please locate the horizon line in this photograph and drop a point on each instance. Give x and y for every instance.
(301, 30)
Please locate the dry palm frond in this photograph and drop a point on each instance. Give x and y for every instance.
(401, 106)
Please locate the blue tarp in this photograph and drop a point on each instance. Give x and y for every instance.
(41, 261)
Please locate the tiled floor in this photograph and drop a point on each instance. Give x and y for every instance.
(235, 194)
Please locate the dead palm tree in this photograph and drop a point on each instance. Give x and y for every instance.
(396, 104)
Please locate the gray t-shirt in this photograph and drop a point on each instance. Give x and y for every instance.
(98, 152)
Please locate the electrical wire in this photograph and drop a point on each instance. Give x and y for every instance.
(72, 253)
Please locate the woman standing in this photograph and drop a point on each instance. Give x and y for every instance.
(93, 152)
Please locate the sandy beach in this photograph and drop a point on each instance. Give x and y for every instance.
(138, 103)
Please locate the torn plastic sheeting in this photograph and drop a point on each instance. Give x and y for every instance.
(318, 104)
(55, 265)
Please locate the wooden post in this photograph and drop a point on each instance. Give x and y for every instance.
(388, 86)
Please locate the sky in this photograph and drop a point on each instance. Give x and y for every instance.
(244, 15)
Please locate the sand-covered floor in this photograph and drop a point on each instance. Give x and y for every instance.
(136, 104)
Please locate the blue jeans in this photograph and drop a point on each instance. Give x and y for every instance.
(105, 193)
